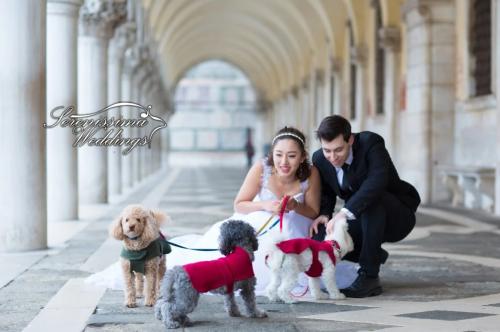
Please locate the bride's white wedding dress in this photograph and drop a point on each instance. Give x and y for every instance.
(294, 226)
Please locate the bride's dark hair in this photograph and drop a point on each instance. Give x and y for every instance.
(304, 170)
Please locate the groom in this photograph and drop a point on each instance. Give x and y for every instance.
(379, 206)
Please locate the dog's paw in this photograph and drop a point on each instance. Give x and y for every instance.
(286, 297)
(186, 322)
(172, 324)
(321, 296)
(130, 304)
(158, 314)
(149, 302)
(259, 314)
(337, 296)
(234, 313)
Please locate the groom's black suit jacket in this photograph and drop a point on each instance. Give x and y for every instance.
(370, 174)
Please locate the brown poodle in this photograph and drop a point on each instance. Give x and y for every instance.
(143, 251)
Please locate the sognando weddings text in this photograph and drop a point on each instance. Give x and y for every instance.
(95, 129)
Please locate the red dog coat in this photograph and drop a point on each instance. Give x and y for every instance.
(297, 246)
(208, 275)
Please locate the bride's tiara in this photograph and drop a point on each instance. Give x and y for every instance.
(288, 134)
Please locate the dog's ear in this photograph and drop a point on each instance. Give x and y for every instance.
(151, 229)
(226, 245)
(116, 230)
(226, 239)
(255, 243)
(160, 217)
(253, 238)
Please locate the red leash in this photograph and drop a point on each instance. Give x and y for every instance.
(282, 211)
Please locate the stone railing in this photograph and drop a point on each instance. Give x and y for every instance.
(471, 187)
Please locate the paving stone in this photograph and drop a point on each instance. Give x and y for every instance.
(410, 280)
(445, 315)
(210, 316)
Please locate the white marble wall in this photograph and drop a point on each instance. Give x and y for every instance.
(426, 128)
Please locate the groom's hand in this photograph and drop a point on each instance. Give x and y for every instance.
(314, 226)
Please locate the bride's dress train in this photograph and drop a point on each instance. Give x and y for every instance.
(294, 226)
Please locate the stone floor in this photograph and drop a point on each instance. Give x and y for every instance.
(445, 276)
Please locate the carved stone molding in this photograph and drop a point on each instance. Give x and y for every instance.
(335, 66)
(125, 36)
(131, 59)
(99, 18)
(390, 38)
(64, 7)
(319, 74)
(359, 55)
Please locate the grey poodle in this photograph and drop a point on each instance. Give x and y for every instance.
(182, 285)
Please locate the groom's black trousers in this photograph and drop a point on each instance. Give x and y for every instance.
(386, 220)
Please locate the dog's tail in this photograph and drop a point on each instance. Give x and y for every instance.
(273, 254)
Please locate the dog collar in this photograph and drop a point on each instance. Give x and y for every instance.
(133, 238)
(336, 247)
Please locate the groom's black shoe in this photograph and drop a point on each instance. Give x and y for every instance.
(363, 286)
(383, 255)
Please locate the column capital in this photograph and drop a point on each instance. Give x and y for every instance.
(319, 74)
(125, 36)
(335, 66)
(100, 17)
(359, 55)
(134, 57)
(64, 7)
(390, 38)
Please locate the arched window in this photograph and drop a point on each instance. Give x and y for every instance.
(480, 47)
(352, 74)
(379, 61)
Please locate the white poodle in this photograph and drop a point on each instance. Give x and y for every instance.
(287, 259)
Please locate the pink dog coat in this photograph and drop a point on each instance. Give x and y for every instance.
(297, 246)
(208, 275)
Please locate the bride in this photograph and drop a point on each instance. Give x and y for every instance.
(285, 172)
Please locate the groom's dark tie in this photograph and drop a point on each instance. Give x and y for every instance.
(345, 181)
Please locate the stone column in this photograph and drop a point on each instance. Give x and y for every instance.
(497, 91)
(23, 192)
(144, 86)
(134, 154)
(391, 41)
(97, 22)
(359, 56)
(429, 118)
(123, 38)
(62, 165)
(337, 89)
(129, 65)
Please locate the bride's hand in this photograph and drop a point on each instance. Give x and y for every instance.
(313, 229)
(272, 206)
(291, 205)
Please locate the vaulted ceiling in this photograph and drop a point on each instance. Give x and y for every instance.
(277, 43)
